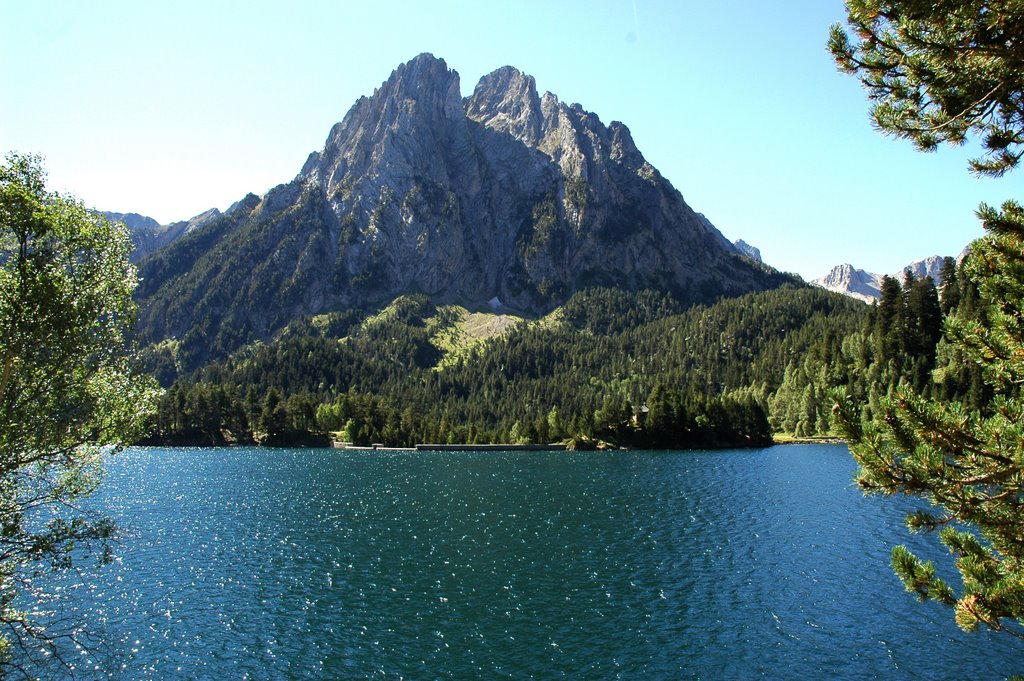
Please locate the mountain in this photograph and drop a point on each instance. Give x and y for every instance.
(133, 221)
(505, 196)
(866, 286)
(848, 280)
(746, 249)
(929, 267)
(148, 235)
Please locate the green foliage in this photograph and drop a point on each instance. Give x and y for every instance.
(939, 70)
(213, 305)
(68, 394)
(544, 235)
(898, 343)
(606, 311)
(596, 361)
(678, 418)
(577, 199)
(398, 377)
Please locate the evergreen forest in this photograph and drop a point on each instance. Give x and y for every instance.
(610, 367)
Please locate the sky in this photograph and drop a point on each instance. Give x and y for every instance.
(170, 108)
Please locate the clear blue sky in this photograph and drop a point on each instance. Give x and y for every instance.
(170, 108)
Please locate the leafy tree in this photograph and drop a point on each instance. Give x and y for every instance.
(938, 71)
(68, 394)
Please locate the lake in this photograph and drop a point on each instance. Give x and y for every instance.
(306, 564)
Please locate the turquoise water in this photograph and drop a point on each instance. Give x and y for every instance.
(299, 564)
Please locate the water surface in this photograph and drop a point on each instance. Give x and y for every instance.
(297, 564)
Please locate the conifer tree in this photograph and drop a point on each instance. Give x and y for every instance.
(949, 286)
(968, 463)
(939, 71)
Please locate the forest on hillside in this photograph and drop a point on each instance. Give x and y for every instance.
(628, 368)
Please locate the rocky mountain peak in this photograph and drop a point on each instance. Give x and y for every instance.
(853, 282)
(148, 235)
(506, 101)
(245, 204)
(623, 148)
(504, 195)
(418, 103)
(426, 86)
(132, 221)
(929, 267)
(843, 273)
(746, 249)
(866, 286)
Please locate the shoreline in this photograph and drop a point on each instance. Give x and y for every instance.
(448, 448)
(814, 440)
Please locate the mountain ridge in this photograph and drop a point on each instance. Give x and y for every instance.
(148, 235)
(866, 286)
(503, 196)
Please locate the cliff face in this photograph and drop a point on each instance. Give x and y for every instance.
(505, 194)
(929, 267)
(850, 281)
(746, 249)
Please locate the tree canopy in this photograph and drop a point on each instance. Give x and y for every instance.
(940, 70)
(968, 462)
(68, 393)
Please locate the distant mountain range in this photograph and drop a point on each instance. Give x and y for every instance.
(148, 235)
(863, 285)
(505, 196)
